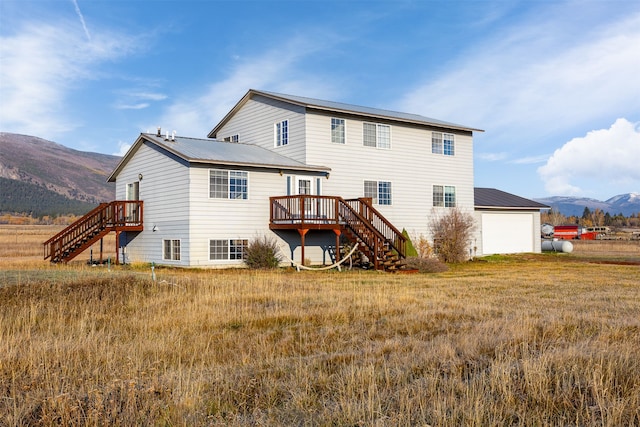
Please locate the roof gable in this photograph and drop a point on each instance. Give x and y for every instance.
(213, 152)
(492, 198)
(338, 107)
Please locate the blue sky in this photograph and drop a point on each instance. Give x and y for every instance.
(554, 84)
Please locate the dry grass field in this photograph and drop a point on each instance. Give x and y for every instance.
(547, 339)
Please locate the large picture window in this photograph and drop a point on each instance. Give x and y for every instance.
(281, 136)
(171, 250)
(443, 143)
(234, 249)
(337, 131)
(225, 184)
(444, 196)
(376, 135)
(378, 191)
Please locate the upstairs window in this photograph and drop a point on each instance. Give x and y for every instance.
(228, 184)
(376, 135)
(442, 143)
(378, 191)
(232, 138)
(337, 131)
(281, 136)
(444, 196)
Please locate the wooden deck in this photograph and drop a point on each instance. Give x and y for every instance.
(356, 219)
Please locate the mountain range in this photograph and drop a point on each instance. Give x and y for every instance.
(41, 177)
(626, 204)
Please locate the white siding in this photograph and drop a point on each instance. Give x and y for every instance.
(166, 204)
(409, 165)
(231, 219)
(254, 122)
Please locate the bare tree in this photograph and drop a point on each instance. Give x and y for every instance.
(451, 233)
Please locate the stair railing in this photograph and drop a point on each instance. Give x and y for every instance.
(106, 215)
(392, 235)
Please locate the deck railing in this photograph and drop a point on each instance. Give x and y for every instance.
(358, 215)
(304, 210)
(394, 236)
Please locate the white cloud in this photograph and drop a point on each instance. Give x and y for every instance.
(274, 70)
(150, 96)
(44, 63)
(123, 147)
(491, 157)
(537, 77)
(530, 160)
(138, 106)
(602, 158)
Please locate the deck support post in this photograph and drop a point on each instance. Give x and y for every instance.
(101, 239)
(117, 247)
(338, 233)
(302, 232)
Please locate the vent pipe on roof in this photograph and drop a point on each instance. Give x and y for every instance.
(166, 138)
(159, 131)
(173, 136)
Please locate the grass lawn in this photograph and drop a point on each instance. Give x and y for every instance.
(537, 339)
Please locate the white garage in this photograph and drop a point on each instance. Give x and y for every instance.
(506, 223)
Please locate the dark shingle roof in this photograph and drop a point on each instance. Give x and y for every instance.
(492, 198)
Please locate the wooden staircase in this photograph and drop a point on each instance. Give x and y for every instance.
(115, 216)
(356, 219)
(378, 239)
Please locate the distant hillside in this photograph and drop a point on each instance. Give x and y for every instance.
(22, 197)
(627, 204)
(46, 169)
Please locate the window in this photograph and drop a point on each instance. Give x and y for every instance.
(171, 250)
(378, 191)
(234, 249)
(442, 143)
(228, 184)
(337, 131)
(376, 135)
(282, 133)
(237, 185)
(232, 138)
(449, 196)
(449, 146)
(444, 196)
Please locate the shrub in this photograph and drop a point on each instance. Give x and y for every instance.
(451, 234)
(263, 253)
(423, 246)
(410, 250)
(426, 265)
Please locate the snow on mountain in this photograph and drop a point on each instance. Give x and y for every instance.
(627, 204)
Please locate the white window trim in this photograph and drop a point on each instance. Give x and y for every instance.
(441, 152)
(275, 133)
(345, 130)
(378, 181)
(377, 125)
(444, 196)
(228, 241)
(232, 138)
(172, 250)
(228, 185)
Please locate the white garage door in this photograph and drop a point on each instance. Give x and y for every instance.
(504, 233)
